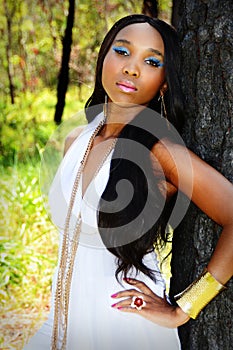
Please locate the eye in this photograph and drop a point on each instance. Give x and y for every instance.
(155, 62)
(121, 50)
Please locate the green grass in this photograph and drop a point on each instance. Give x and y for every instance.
(27, 260)
(28, 239)
(28, 247)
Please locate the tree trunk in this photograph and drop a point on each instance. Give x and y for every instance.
(150, 8)
(205, 29)
(9, 13)
(63, 79)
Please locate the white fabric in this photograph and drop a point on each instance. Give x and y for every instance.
(93, 324)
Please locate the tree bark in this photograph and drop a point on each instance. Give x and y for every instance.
(150, 8)
(63, 78)
(205, 29)
(9, 13)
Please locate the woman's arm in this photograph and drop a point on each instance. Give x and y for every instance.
(210, 191)
(213, 194)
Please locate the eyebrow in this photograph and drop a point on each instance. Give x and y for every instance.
(150, 49)
(157, 52)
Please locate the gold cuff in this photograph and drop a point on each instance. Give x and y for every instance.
(194, 298)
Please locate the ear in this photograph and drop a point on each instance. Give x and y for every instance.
(163, 89)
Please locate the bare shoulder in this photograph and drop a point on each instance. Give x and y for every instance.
(176, 162)
(72, 136)
(163, 165)
(203, 184)
(167, 147)
(168, 154)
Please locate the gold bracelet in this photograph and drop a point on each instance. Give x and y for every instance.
(194, 298)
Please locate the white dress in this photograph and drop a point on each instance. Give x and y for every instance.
(92, 323)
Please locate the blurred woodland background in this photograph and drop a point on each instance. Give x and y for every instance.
(31, 51)
(48, 51)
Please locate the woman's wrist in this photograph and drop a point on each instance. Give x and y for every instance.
(181, 316)
(194, 298)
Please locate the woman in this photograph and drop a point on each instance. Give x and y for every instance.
(113, 193)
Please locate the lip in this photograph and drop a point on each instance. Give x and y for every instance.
(126, 86)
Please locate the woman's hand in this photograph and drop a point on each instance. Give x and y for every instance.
(157, 309)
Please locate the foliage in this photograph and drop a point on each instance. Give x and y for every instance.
(28, 243)
(165, 9)
(25, 229)
(31, 34)
(26, 126)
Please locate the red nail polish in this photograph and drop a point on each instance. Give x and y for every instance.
(126, 280)
(114, 295)
(120, 307)
(113, 305)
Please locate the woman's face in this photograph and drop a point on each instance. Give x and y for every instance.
(133, 70)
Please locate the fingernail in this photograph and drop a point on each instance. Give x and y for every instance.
(114, 295)
(120, 307)
(113, 305)
(127, 280)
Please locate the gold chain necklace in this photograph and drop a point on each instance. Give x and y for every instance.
(68, 253)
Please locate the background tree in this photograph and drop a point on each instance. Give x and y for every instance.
(63, 79)
(157, 8)
(150, 8)
(205, 29)
(9, 8)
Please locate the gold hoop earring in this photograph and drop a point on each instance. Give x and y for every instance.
(105, 107)
(163, 110)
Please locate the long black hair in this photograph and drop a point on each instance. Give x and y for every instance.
(130, 229)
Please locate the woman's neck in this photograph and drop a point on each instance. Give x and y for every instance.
(118, 115)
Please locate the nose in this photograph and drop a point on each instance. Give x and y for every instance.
(132, 70)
